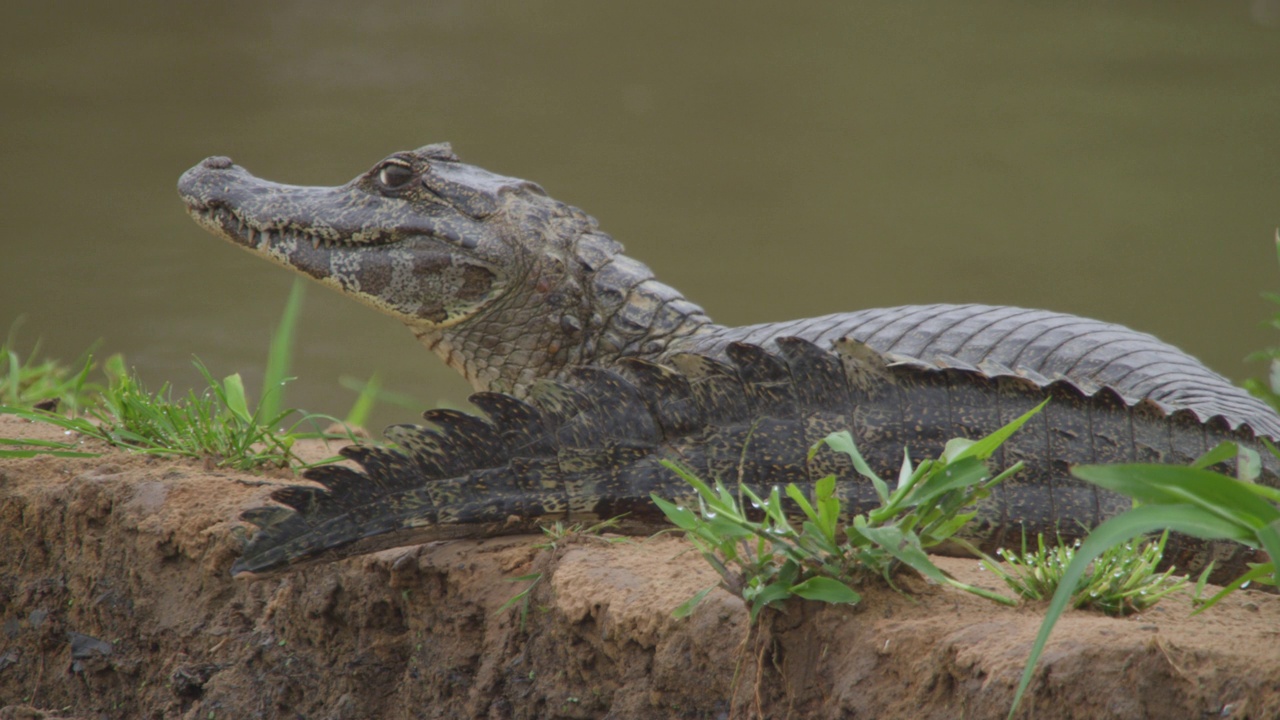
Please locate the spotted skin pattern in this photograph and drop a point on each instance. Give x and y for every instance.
(589, 448)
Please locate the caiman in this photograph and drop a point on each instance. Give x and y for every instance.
(589, 371)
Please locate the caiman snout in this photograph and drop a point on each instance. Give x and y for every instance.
(196, 184)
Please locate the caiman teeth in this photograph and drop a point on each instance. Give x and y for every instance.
(260, 238)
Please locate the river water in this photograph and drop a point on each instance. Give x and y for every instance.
(1115, 159)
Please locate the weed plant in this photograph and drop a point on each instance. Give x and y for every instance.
(31, 383)
(1190, 500)
(216, 422)
(1122, 581)
(807, 549)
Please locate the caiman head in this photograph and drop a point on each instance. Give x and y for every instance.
(480, 266)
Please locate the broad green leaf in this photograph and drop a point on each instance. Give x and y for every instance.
(727, 527)
(726, 498)
(984, 448)
(798, 497)
(1221, 452)
(957, 475)
(907, 477)
(771, 593)
(1269, 536)
(827, 590)
(828, 506)
(954, 447)
(1225, 497)
(683, 517)
(777, 514)
(843, 442)
(901, 547)
(815, 538)
(1248, 465)
(233, 386)
(947, 528)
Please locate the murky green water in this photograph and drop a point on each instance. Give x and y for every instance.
(773, 160)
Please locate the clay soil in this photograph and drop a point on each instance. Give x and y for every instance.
(116, 602)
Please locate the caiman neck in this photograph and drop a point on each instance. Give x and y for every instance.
(586, 305)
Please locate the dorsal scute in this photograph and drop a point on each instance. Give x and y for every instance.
(667, 394)
(558, 401)
(424, 447)
(866, 370)
(521, 425)
(268, 515)
(338, 479)
(469, 440)
(716, 388)
(383, 467)
(765, 378)
(818, 380)
(304, 499)
(608, 410)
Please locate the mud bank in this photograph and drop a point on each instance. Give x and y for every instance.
(116, 602)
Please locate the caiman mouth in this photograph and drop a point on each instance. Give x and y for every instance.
(230, 223)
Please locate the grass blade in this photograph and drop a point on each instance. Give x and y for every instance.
(686, 608)
(358, 416)
(1234, 501)
(280, 356)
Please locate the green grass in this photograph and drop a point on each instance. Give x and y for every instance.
(31, 382)
(769, 560)
(556, 533)
(524, 597)
(1122, 581)
(217, 422)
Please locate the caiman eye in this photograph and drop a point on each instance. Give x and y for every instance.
(395, 175)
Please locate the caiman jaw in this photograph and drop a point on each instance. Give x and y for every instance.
(226, 222)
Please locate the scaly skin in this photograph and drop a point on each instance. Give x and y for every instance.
(590, 449)
(513, 288)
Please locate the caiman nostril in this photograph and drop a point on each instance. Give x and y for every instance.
(217, 162)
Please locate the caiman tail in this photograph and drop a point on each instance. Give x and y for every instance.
(589, 447)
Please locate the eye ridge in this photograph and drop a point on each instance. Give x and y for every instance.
(394, 175)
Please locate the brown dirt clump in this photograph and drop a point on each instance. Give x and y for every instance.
(116, 602)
